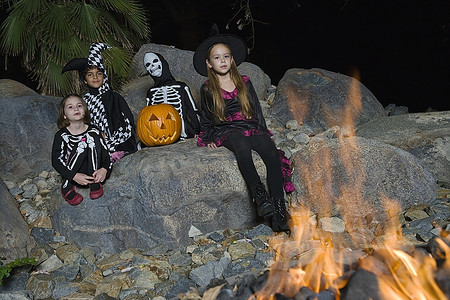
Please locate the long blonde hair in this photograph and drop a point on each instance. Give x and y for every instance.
(216, 91)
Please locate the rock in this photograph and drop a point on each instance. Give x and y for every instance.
(425, 135)
(15, 241)
(321, 99)
(155, 195)
(356, 176)
(11, 89)
(27, 135)
(332, 224)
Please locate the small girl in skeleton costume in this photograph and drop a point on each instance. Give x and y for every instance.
(231, 116)
(79, 153)
(167, 90)
(110, 112)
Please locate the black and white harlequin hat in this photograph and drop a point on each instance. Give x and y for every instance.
(94, 59)
(236, 44)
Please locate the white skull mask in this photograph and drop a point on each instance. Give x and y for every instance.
(153, 64)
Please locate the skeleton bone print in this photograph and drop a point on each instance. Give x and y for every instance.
(170, 91)
(169, 95)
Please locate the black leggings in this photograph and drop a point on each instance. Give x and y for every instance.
(242, 147)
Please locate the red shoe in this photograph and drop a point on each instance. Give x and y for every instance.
(97, 193)
(75, 200)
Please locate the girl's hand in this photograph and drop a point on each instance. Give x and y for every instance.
(99, 175)
(212, 145)
(83, 179)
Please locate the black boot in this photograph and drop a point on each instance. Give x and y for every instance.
(281, 216)
(263, 203)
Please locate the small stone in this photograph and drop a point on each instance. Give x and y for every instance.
(51, 264)
(415, 214)
(241, 249)
(193, 231)
(333, 224)
(30, 190)
(44, 174)
(292, 124)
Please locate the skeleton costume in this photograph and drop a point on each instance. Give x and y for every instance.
(167, 90)
(109, 111)
(81, 153)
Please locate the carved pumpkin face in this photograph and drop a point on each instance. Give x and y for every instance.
(158, 124)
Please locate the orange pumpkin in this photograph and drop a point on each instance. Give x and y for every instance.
(158, 124)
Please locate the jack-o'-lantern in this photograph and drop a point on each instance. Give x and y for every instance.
(158, 124)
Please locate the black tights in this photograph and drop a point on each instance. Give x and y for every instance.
(242, 147)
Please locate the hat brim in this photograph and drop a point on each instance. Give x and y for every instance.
(236, 44)
(76, 64)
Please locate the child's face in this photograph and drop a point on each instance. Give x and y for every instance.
(220, 59)
(74, 109)
(94, 78)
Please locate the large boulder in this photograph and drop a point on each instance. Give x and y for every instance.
(11, 88)
(181, 67)
(28, 127)
(155, 195)
(354, 177)
(321, 99)
(425, 135)
(15, 241)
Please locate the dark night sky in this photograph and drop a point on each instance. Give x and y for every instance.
(400, 48)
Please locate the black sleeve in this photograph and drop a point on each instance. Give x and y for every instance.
(104, 156)
(206, 123)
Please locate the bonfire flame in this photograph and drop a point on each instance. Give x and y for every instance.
(320, 255)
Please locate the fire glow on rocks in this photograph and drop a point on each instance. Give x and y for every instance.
(314, 262)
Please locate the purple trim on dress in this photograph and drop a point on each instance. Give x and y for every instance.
(234, 93)
(286, 172)
(200, 141)
(237, 116)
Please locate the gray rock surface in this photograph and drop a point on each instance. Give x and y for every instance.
(354, 177)
(320, 99)
(15, 241)
(27, 135)
(155, 195)
(425, 135)
(11, 88)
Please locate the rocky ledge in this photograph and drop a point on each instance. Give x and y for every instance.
(65, 271)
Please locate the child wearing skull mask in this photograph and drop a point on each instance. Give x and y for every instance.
(109, 111)
(168, 90)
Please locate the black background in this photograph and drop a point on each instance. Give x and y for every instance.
(401, 49)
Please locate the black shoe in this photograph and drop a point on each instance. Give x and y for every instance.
(263, 203)
(281, 217)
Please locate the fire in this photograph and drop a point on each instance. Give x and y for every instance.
(320, 260)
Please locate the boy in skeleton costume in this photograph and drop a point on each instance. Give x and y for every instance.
(109, 111)
(167, 90)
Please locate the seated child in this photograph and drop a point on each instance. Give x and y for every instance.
(109, 111)
(79, 153)
(167, 90)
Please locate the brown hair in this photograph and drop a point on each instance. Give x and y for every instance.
(63, 122)
(83, 73)
(214, 86)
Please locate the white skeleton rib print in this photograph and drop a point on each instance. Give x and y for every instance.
(170, 94)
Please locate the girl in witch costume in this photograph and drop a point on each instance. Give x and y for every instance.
(231, 116)
(167, 90)
(79, 153)
(109, 111)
